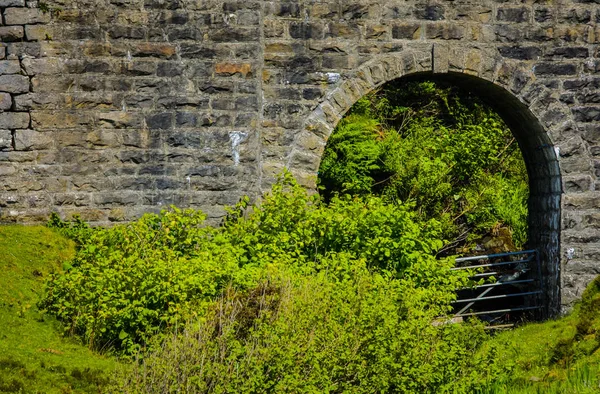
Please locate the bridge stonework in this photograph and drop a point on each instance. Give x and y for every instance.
(113, 108)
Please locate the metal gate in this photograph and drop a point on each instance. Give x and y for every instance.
(511, 289)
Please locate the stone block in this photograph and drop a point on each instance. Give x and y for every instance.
(7, 169)
(5, 101)
(445, 31)
(14, 120)
(9, 67)
(11, 33)
(306, 30)
(161, 121)
(32, 140)
(5, 139)
(39, 33)
(408, 31)
(430, 12)
(550, 69)
(25, 16)
(513, 14)
(12, 3)
(14, 84)
(520, 52)
(228, 69)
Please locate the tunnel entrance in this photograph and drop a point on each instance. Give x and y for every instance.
(541, 292)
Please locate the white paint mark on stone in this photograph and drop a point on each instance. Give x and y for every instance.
(557, 152)
(570, 254)
(236, 138)
(333, 77)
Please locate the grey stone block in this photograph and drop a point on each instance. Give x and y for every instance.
(5, 139)
(14, 120)
(14, 84)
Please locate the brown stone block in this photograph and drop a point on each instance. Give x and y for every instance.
(163, 51)
(229, 69)
(377, 32)
(25, 16)
(43, 120)
(32, 140)
(278, 47)
(89, 215)
(119, 119)
(342, 30)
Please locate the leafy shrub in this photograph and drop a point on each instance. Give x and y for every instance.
(130, 282)
(344, 329)
(76, 229)
(438, 147)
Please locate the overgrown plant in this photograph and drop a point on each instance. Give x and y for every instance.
(130, 282)
(343, 329)
(438, 147)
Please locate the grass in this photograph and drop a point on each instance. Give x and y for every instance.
(34, 356)
(558, 356)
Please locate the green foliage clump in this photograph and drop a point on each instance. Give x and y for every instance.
(438, 147)
(341, 329)
(128, 283)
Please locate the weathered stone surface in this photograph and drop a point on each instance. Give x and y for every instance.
(14, 120)
(5, 139)
(11, 33)
(9, 67)
(12, 3)
(32, 140)
(25, 16)
(14, 84)
(5, 101)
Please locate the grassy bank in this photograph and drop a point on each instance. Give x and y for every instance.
(34, 356)
(560, 356)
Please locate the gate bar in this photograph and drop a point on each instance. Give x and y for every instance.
(492, 256)
(496, 297)
(526, 308)
(492, 264)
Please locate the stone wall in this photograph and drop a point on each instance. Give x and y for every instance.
(112, 108)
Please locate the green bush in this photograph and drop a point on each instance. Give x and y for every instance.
(343, 329)
(130, 282)
(438, 147)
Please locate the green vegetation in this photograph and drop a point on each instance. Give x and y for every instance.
(561, 356)
(34, 357)
(349, 291)
(440, 149)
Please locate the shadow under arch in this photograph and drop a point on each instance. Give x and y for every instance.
(545, 182)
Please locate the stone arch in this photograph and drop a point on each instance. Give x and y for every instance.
(531, 109)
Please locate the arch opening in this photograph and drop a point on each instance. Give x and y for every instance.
(541, 161)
